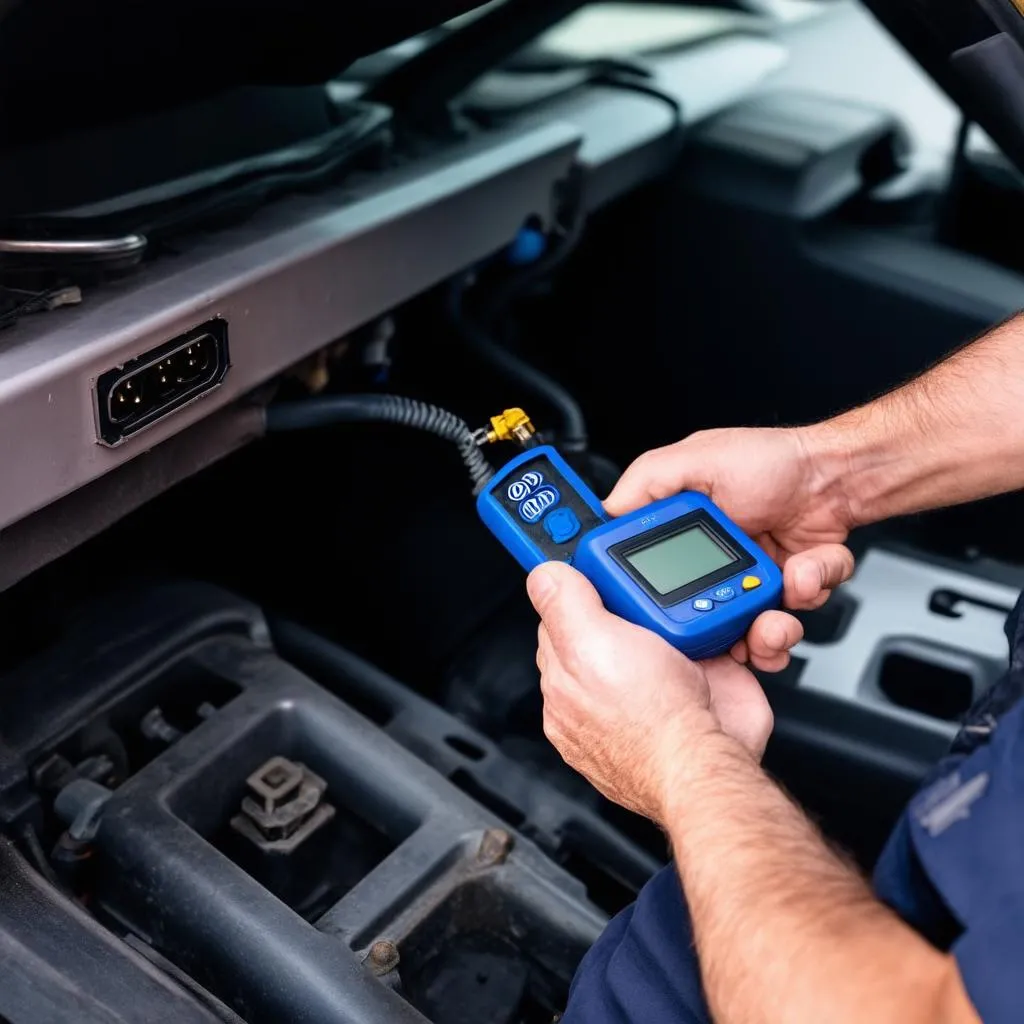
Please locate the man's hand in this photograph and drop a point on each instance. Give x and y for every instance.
(622, 706)
(770, 482)
(785, 931)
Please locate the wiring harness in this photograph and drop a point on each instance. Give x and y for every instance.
(405, 412)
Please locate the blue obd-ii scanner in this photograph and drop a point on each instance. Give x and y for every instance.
(679, 567)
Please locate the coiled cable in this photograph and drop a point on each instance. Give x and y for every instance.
(324, 411)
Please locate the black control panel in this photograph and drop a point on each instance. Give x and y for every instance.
(547, 508)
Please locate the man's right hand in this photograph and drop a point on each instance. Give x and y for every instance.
(770, 482)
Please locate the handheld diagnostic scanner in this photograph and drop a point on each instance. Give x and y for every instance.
(679, 567)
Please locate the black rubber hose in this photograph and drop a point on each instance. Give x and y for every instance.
(311, 413)
(479, 334)
(573, 429)
(563, 245)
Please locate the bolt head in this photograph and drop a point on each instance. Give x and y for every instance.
(383, 956)
(495, 846)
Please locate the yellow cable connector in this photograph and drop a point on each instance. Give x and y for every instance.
(511, 425)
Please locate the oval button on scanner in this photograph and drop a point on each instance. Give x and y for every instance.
(703, 604)
(723, 594)
(751, 582)
(538, 503)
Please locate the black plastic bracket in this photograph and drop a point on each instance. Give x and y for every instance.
(446, 865)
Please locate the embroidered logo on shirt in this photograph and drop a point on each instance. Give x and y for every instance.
(950, 801)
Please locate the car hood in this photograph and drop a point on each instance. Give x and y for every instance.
(975, 51)
(67, 67)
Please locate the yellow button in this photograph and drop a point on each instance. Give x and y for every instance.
(751, 582)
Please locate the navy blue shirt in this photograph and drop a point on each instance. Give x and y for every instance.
(953, 869)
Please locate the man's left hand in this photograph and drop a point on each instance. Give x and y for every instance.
(623, 707)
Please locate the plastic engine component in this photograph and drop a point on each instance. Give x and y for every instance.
(370, 912)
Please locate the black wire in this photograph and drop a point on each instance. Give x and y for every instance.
(481, 333)
(563, 246)
(612, 72)
(38, 856)
(396, 409)
(573, 433)
(634, 83)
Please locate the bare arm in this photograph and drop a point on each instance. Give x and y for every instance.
(787, 932)
(952, 435)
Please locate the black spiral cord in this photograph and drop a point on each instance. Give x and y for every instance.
(325, 411)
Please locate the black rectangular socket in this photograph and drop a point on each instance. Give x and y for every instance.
(139, 393)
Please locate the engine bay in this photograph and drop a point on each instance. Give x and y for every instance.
(311, 866)
(271, 742)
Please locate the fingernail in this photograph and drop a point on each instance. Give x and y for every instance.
(539, 584)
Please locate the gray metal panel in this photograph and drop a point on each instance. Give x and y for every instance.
(893, 616)
(289, 281)
(308, 270)
(629, 137)
(62, 526)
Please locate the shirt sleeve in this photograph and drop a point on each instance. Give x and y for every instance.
(990, 955)
(966, 833)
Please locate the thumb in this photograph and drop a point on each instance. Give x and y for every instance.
(566, 601)
(812, 574)
(655, 475)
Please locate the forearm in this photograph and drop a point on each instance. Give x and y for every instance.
(952, 435)
(785, 931)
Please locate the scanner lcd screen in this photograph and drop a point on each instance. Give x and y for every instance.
(680, 559)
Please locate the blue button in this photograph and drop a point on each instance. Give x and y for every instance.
(561, 525)
(703, 604)
(538, 503)
(723, 594)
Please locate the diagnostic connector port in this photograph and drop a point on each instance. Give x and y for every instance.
(134, 396)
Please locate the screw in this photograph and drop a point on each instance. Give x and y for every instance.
(383, 956)
(495, 847)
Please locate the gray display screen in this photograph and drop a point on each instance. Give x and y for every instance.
(680, 559)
